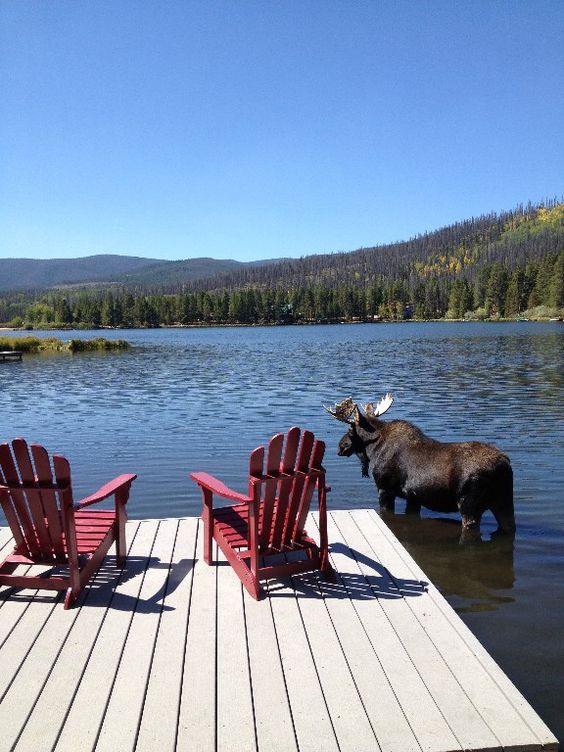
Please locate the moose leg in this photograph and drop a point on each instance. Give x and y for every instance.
(387, 499)
(505, 517)
(413, 506)
(505, 522)
(471, 518)
(470, 532)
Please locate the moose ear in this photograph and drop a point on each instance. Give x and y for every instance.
(364, 422)
(384, 404)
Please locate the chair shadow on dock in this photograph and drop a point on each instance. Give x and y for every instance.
(103, 590)
(379, 583)
(140, 566)
(375, 583)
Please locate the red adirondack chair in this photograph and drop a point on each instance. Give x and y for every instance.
(269, 519)
(49, 528)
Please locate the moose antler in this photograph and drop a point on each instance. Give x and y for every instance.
(343, 410)
(384, 404)
(348, 408)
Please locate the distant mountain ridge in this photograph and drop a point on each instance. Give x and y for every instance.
(135, 271)
(41, 274)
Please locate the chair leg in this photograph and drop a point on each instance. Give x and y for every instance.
(70, 598)
(121, 518)
(327, 570)
(121, 546)
(207, 518)
(251, 584)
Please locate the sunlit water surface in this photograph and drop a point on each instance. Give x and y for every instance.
(201, 399)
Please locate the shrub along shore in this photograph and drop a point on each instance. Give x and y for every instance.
(54, 344)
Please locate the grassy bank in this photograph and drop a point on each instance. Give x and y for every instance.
(54, 344)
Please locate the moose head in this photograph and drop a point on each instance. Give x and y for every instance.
(363, 428)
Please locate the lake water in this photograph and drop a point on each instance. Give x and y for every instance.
(201, 399)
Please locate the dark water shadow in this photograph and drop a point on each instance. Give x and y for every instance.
(476, 572)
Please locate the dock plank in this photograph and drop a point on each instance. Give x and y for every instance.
(125, 707)
(457, 644)
(235, 716)
(48, 714)
(33, 616)
(6, 539)
(88, 708)
(392, 728)
(35, 670)
(172, 654)
(158, 728)
(267, 676)
(305, 693)
(197, 711)
(428, 723)
(464, 720)
(348, 714)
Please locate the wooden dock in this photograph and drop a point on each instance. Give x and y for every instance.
(6, 355)
(170, 654)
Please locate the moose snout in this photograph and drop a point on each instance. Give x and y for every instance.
(345, 448)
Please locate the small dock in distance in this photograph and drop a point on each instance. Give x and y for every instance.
(8, 355)
(171, 654)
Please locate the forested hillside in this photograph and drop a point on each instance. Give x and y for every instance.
(506, 265)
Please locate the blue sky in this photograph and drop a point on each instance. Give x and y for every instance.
(258, 129)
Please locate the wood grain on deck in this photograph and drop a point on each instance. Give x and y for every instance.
(171, 654)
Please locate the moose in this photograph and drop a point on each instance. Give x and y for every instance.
(469, 477)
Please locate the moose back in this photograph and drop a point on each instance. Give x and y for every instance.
(469, 477)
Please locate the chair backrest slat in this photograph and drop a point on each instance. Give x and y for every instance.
(62, 474)
(35, 504)
(49, 499)
(63, 478)
(284, 491)
(291, 450)
(303, 463)
(15, 507)
(270, 488)
(274, 455)
(302, 466)
(285, 483)
(9, 511)
(256, 463)
(34, 500)
(313, 478)
(288, 479)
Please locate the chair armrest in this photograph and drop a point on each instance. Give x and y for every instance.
(107, 490)
(204, 480)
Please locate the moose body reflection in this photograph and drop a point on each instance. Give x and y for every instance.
(469, 477)
(479, 577)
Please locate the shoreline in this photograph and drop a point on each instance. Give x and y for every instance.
(225, 325)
